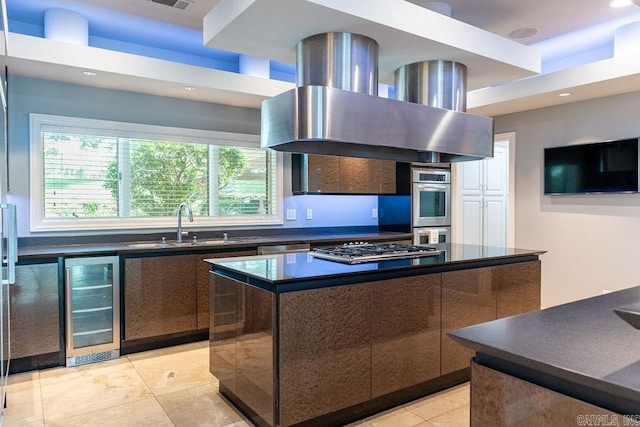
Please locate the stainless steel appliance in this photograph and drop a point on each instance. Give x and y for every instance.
(8, 258)
(431, 235)
(431, 197)
(92, 309)
(281, 249)
(365, 252)
(335, 109)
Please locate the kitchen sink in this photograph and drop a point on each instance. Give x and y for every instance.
(212, 242)
(190, 243)
(149, 245)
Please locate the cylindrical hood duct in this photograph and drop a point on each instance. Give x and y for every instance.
(335, 109)
(438, 83)
(340, 60)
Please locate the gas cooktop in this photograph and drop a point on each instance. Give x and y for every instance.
(354, 253)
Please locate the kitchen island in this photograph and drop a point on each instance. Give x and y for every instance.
(573, 364)
(296, 339)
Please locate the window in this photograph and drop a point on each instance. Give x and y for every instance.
(92, 174)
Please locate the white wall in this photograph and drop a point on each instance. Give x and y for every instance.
(593, 241)
(29, 95)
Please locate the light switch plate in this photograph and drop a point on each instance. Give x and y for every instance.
(309, 214)
(374, 213)
(291, 214)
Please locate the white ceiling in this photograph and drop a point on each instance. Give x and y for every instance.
(553, 20)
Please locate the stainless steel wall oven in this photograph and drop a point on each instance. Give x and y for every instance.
(431, 197)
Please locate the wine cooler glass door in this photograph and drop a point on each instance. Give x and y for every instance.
(92, 305)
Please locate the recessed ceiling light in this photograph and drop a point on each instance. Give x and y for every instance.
(89, 73)
(565, 94)
(523, 33)
(620, 3)
(189, 88)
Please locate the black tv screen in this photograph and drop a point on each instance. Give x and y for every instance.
(604, 167)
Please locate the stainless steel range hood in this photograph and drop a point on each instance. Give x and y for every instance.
(335, 110)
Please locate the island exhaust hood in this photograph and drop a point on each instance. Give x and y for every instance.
(335, 110)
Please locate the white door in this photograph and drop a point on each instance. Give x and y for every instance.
(482, 191)
(470, 180)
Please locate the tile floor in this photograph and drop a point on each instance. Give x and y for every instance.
(172, 387)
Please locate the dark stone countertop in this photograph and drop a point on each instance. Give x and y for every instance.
(294, 271)
(582, 349)
(235, 243)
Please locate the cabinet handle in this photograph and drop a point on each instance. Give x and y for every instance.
(68, 309)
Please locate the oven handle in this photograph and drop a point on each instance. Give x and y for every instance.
(432, 187)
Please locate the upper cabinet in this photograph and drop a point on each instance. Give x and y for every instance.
(313, 174)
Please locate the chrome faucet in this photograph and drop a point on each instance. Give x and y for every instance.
(190, 212)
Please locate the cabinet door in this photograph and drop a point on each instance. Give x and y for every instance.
(518, 287)
(35, 310)
(367, 176)
(203, 288)
(382, 176)
(405, 332)
(159, 295)
(241, 352)
(350, 175)
(468, 298)
(323, 174)
(325, 351)
(354, 175)
(483, 189)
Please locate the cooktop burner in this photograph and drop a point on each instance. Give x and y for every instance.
(355, 253)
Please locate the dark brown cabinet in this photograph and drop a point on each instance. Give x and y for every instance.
(35, 311)
(348, 175)
(242, 355)
(468, 298)
(159, 295)
(202, 284)
(168, 294)
(518, 287)
(480, 295)
(405, 332)
(325, 351)
(299, 355)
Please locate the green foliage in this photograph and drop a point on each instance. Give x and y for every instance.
(89, 209)
(164, 174)
(231, 165)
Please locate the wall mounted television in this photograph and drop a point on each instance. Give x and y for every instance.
(603, 167)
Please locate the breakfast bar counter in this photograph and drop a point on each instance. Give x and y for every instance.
(565, 365)
(295, 339)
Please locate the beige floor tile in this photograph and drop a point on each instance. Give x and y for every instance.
(112, 365)
(457, 418)
(68, 392)
(440, 403)
(167, 373)
(24, 401)
(24, 381)
(460, 395)
(393, 418)
(431, 408)
(121, 392)
(199, 406)
(146, 412)
(242, 423)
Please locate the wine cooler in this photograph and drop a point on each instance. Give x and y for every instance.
(92, 309)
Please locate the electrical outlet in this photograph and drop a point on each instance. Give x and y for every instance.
(309, 214)
(291, 214)
(374, 213)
